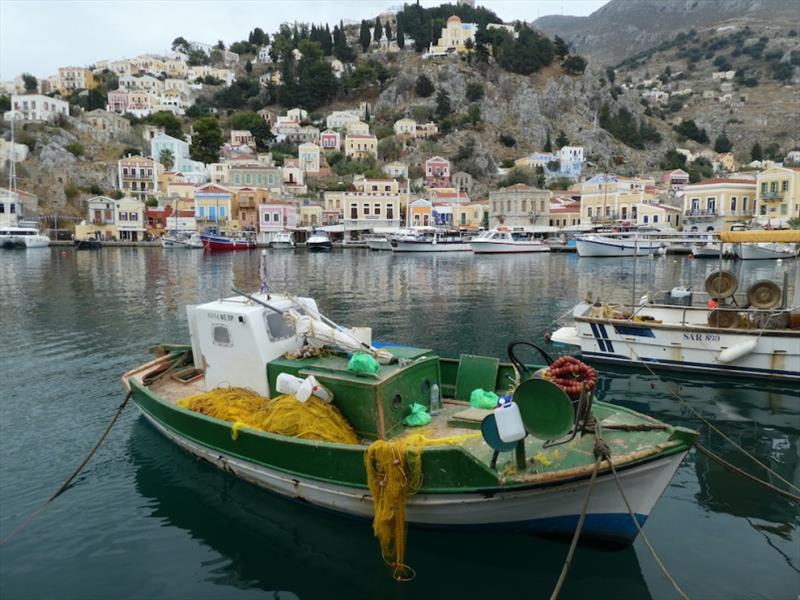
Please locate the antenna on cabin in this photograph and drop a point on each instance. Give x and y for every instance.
(262, 273)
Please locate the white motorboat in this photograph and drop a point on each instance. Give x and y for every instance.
(283, 240)
(707, 249)
(765, 251)
(431, 241)
(319, 241)
(193, 242)
(505, 241)
(22, 237)
(760, 341)
(378, 242)
(616, 245)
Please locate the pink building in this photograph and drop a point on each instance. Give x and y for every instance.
(675, 179)
(437, 172)
(330, 140)
(118, 101)
(275, 216)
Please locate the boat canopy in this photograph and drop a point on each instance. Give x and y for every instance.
(786, 236)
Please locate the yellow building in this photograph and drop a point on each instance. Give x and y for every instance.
(373, 203)
(778, 196)
(310, 215)
(420, 213)
(71, 79)
(471, 215)
(718, 203)
(361, 146)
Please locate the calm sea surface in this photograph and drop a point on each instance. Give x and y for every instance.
(145, 520)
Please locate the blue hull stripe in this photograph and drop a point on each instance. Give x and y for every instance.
(612, 527)
(597, 337)
(604, 333)
(681, 363)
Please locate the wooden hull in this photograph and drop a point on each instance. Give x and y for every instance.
(546, 510)
(220, 244)
(459, 491)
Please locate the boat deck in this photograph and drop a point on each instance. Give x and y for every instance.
(630, 436)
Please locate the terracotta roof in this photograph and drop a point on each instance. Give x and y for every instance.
(724, 180)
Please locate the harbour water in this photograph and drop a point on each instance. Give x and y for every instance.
(145, 520)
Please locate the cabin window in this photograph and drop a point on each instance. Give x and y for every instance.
(278, 328)
(222, 337)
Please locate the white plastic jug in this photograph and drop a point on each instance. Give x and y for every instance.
(287, 384)
(509, 423)
(311, 387)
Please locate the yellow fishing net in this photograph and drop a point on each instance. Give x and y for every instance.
(394, 472)
(284, 415)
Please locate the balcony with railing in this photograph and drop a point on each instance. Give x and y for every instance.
(776, 195)
(699, 214)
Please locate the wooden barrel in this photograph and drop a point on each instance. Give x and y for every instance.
(721, 284)
(723, 318)
(764, 294)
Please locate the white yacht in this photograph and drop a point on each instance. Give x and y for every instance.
(193, 242)
(431, 241)
(720, 336)
(283, 240)
(616, 245)
(22, 237)
(376, 241)
(765, 251)
(319, 241)
(504, 240)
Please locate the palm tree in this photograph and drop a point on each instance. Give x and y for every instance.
(167, 158)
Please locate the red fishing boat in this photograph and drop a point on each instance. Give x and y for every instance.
(214, 241)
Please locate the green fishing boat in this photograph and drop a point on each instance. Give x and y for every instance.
(536, 482)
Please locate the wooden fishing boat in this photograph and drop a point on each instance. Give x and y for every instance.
(540, 486)
(215, 241)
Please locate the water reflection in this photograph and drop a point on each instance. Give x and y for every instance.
(271, 543)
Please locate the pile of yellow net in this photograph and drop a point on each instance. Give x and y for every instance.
(284, 415)
(394, 472)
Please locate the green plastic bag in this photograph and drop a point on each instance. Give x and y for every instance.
(419, 416)
(480, 398)
(363, 363)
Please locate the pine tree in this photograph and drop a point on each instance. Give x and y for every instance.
(562, 140)
(722, 143)
(364, 37)
(377, 32)
(756, 153)
(443, 107)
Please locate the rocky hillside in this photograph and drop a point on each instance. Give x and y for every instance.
(624, 27)
(758, 105)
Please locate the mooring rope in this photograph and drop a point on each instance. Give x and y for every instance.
(69, 479)
(577, 534)
(681, 593)
(733, 468)
(179, 360)
(708, 423)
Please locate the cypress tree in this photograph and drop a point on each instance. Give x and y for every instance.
(401, 38)
(363, 36)
(377, 32)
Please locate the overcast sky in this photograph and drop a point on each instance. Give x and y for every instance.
(39, 36)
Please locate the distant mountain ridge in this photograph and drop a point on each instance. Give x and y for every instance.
(624, 27)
